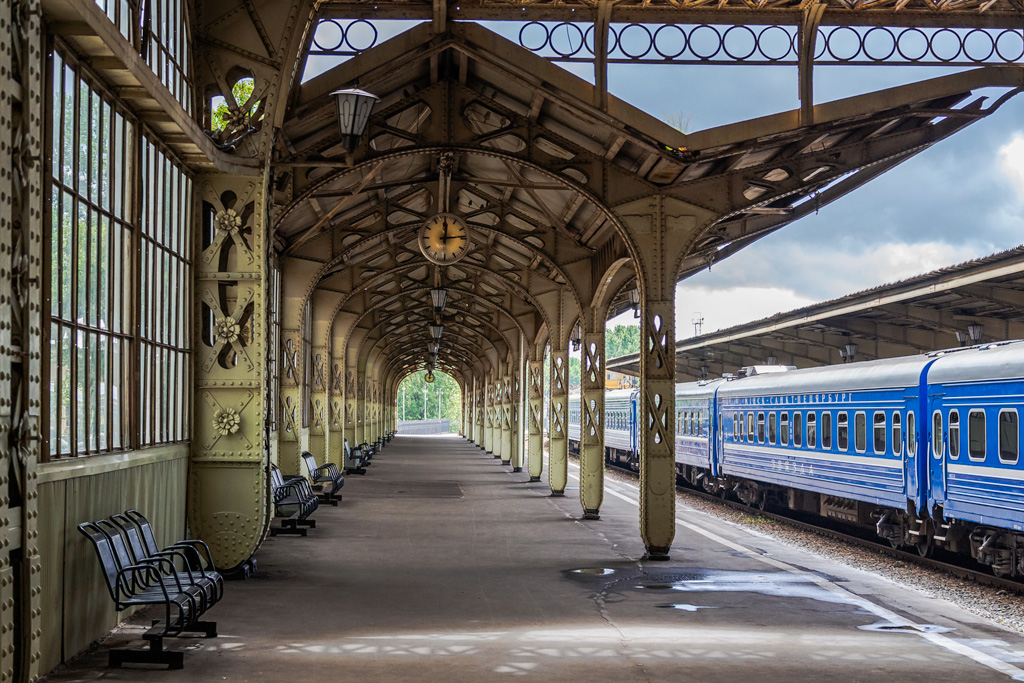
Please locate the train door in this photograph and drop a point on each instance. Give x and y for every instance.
(634, 434)
(915, 465)
(938, 446)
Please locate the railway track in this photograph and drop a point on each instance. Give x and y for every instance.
(965, 573)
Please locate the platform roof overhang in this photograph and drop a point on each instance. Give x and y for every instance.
(539, 171)
(966, 13)
(916, 315)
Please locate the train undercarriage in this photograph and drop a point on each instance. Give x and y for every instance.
(1001, 550)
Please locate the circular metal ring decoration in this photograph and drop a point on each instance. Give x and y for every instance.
(444, 239)
(429, 377)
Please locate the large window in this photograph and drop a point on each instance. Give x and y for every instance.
(91, 232)
(111, 257)
(167, 51)
(165, 285)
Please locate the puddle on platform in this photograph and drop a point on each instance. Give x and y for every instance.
(774, 584)
(889, 627)
(684, 607)
(593, 571)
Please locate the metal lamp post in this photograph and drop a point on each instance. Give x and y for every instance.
(424, 403)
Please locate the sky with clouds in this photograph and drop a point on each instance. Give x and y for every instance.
(961, 199)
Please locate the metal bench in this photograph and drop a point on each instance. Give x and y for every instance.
(194, 554)
(354, 460)
(327, 479)
(150, 581)
(294, 502)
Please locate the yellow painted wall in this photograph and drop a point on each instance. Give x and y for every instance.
(77, 609)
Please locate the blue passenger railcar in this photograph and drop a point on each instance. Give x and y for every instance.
(620, 433)
(975, 399)
(694, 416)
(838, 431)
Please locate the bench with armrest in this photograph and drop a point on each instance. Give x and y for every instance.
(294, 502)
(327, 478)
(195, 554)
(151, 580)
(353, 460)
(368, 450)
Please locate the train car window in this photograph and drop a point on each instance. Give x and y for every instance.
(976, 435)
(760, 427)
(735, 428)
(826, 431)
(771, 427)
(1009, 443)
(860, 432)
(843, 427)
(879, 433)
(743, 431)
(911, 434)
(798, 429)
(954, 434)
(750, 427)
(937, 434)
(897, 434)
(812, 430)
(784, 429)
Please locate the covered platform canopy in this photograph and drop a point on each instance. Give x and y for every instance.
(971, 303)
(202, 274)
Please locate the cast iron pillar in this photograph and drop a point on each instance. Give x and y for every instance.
(558, 462)
(506, 414)
(535, 463)
(592, 419)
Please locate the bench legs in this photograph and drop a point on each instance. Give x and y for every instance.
(156, 654)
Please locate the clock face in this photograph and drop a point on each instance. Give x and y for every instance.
(444, 239)
(429, 377)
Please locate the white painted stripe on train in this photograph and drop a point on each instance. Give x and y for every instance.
(936, 639)
(886, 461)
(983, 471)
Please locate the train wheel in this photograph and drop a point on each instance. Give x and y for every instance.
(924, 546)
(762, 501)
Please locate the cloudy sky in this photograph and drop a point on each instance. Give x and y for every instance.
(959, 200)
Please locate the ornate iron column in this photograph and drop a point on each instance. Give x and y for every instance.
(351, 406)
(318, 403)
(227, 504)
(536, 417)
(592, 419)
(506, 414)
(558, 453)
(516, 406)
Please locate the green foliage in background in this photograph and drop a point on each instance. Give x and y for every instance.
(444, 387)
(241, 90)
(620, 340)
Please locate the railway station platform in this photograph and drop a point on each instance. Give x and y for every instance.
(441, 565)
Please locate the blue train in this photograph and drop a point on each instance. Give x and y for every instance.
(926, 449)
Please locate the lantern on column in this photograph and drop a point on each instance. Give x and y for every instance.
(354, 107)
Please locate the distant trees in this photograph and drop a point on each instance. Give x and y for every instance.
(411, 396)
(620, 340)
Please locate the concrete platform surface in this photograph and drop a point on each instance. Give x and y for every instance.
(441, 565)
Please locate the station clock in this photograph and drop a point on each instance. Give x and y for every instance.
(444, 239)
